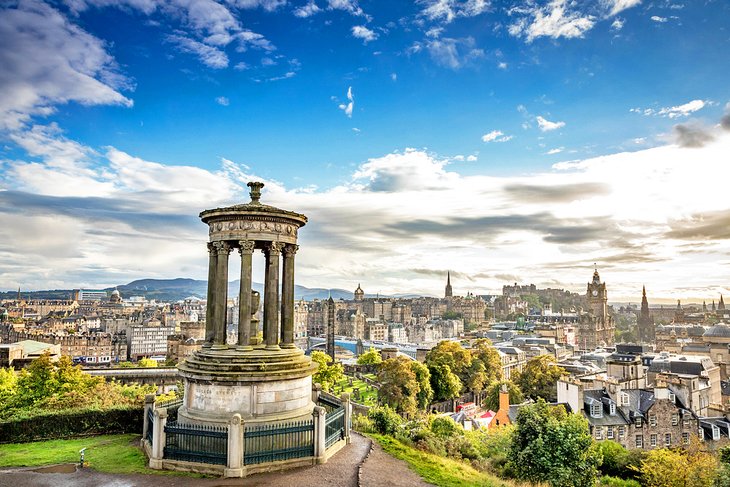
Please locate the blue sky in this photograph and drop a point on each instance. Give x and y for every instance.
(507, 141)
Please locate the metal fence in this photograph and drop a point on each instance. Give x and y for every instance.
(150, 423)
(172, 408)
(328, 404)
(284, 441)
(196, 443)
(334, 429)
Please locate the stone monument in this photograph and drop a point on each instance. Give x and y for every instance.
(264, 380)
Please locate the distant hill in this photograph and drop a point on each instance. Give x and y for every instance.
(181, 288)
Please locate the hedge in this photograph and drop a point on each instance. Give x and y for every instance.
(50, 425)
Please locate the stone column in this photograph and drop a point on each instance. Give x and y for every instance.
(287, 297)
(320, 451)
(271, 296)
(221, 294)
(149, 403)
(244, 296)
(158, 439)
(347, 405)
(234, 464)
(210, 304)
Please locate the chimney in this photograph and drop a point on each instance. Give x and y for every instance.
(503, 398)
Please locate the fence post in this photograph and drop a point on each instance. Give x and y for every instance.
(316, 391)
(319, 434)
(347, 405)
(158, 438)
(149, 402)
(234, 466)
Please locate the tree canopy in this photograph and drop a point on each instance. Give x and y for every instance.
(327, 375)
(398, 386)
(371, 357)
(539, 378)
(492, 399)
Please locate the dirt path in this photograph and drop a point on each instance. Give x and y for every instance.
(351, 467)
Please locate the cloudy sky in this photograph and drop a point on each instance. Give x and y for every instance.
(506, 141)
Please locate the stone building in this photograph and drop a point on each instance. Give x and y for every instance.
(596, 328)
(148, 341)
(645, 321)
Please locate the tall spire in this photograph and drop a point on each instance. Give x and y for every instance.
(448, 292)
(721, 304)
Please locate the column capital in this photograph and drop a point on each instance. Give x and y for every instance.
(274, 248)
(222, 247)
(246, 246)
(290, 250)
(211, 247)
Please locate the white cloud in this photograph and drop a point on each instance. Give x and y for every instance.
(471, 158)
(556, 150)
(617, 6)
(673, 112)
(268, 5)
(307, 10)
(47, 61)
(453, 53)
(393, 76)
(223, 101)
(362, 32)
(208, 55)
(347, 107)
(448, 10)
(656, 18)
(502, 65)
(496, 136)
(546, 125)
(553, 20)
(350, 6)
(617, 24)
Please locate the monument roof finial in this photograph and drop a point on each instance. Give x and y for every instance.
(255, 191)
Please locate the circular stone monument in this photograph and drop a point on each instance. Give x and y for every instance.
(265, 380)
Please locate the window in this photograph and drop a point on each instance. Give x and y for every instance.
(639, 441)
(715, 432)
(675, 419)
(596, 410)
(621, 432)
(624, 399)
(599, 433)
(612, 409)
(685, 438)
(685, 423)
(668, 439)
(672, 397)
(652, 441)
(609, 433)
(638, 421)
(652, 420)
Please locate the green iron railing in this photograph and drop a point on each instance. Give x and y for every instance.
(150, 423)
(285, 441)
(334, 429)
(196, 443)
(328, 404)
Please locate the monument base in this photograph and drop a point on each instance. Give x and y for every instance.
(263, 386)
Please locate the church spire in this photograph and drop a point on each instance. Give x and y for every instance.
(449, 292)
(721, 304)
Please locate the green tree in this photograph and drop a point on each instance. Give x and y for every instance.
(371, 357)
(398, 386)
(423, 377)
(550, 445)
(492, 399)
(539, 378)
(8, 385)
(690, 467)
(483, 351)
(445, 384)
(327, 375)
(453, 355)
(36, 382)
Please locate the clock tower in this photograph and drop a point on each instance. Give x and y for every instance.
(596, 328)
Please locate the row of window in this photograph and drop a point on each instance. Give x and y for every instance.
(653, 422)
(639, 443)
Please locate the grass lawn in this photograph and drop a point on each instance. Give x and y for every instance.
(437, 470)
(367, 397)
(107, 453)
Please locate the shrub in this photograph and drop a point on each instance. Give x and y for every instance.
(385, 420)
(363, 424)
(615, 459)
(46, 425)
(617, 482)
(444, 427)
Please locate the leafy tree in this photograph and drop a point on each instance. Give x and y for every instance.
(615, 459)
(423, 377)
(453, 355)
(492, 399)
(8, 384)
(690, 467)
(550, 445)
(483, 351)
(445, 384)
(385, 420)
(444, 427)
(398, 385)
(539, 378)
(371, 357)
(147, 362)
(125, 364)
(327, 375)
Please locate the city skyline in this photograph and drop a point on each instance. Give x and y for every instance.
(506, 143)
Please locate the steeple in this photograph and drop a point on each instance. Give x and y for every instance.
(448, 292)
(721, 304)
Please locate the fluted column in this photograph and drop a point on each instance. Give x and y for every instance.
(221, 294)
(244, 295)
(271, 296)
(287, 297)
(210, 304)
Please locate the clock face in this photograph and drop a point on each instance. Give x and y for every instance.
(595, 293)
